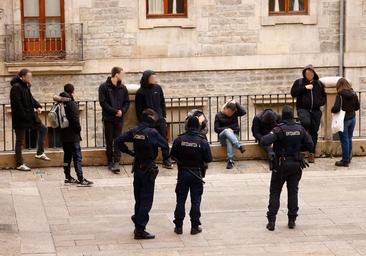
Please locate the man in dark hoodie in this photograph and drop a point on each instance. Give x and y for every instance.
(310, 96)
(113, 98)
(70, 137)
(24, 117)
(262, 124)
(150, 95)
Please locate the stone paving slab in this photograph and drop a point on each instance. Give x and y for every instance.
(40, 216)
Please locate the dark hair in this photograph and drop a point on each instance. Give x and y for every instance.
(193, 123)
(150, 116)
(23, 72)
(343, 84)
(230, 105)
(287, 112)
(116, 70)
(69, 88)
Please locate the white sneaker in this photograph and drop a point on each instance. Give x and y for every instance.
(23, 168)
(42, 157)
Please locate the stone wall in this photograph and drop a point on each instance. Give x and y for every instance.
(175, 84)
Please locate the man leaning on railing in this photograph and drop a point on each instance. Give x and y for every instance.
(25, 110)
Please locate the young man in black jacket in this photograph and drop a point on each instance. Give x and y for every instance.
(228, 129)
(70, 137)
(150, 95)
(310, 96)
(262, 124)
(113, 98)
(24, 117)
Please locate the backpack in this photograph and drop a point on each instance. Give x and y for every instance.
(57, 116)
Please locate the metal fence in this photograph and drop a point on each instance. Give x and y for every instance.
(43, 41)
(177, 109)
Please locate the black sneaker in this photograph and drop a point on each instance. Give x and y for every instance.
(291, 224)
(167, 164)
(196, 230)
(341, 164)
(115, 168)
(71, 180)
(271, 226)
(230, 164)
(242, 149)
(143, 235)
(178, 230)
(85, 183)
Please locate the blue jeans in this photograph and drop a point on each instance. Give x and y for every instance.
(346, 139)
(229, 139)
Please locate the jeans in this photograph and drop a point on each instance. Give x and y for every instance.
(346, 139)
(311, 123)
(188, 183)
(112, 129)
(20, 137)
(72, 151)
(229, 139)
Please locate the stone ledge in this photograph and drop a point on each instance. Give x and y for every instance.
(97, 157)
(49, 67)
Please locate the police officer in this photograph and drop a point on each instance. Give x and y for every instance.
(191, 151)
(288, 138)
(146, 141)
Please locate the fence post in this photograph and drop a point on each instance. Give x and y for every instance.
(330, 89)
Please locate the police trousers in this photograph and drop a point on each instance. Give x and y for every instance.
(143, 186)
(292, 178)
(188, 183)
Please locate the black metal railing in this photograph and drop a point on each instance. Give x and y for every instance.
(177, 109)
(43, 41)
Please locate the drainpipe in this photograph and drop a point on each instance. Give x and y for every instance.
(341, 37)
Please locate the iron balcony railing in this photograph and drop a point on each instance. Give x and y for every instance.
(43, 41)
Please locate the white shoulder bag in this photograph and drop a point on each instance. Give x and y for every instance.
(338, 119)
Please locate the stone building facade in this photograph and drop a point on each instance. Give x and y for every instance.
(221, 47)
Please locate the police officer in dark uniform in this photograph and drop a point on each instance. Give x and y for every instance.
(191, 151)
(146, 141)
(288, 139)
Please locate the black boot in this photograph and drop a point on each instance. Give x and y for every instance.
(230, 164)
(291, 224)
(178, 230)
(196, 230)
(271, 225)
(167, 164)
(143, 235)
(342, 163)
(242, 149)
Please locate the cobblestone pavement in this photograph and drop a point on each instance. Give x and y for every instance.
(41, 216)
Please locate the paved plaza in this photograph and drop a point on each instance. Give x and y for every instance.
(41, 216)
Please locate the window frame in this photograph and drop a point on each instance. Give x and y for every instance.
(167, 15)
(42, 18)
(287, 12)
